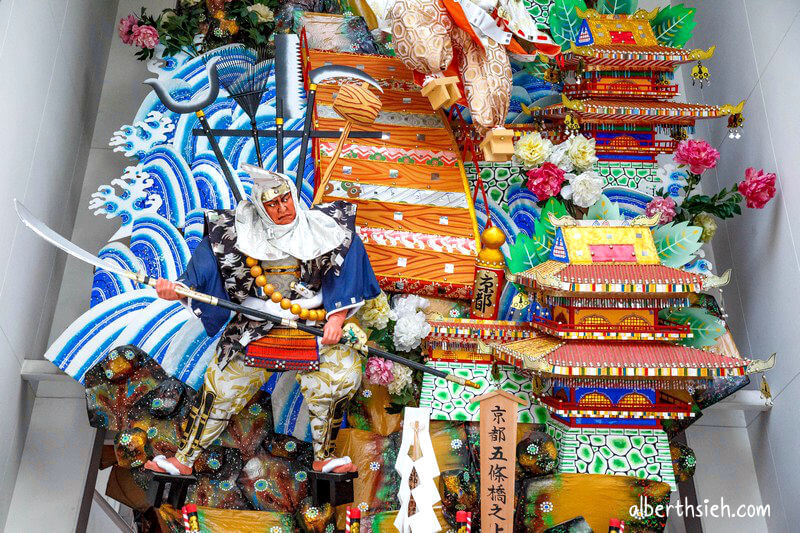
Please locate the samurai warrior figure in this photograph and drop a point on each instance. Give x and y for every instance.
(274, 255)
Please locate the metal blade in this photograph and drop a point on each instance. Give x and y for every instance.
(43, 231)
(328, 72)
(289, 74)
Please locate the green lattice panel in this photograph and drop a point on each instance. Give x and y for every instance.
(642, 177)
(497, 179)
(450, 401)
(642, 453)
(540, 11)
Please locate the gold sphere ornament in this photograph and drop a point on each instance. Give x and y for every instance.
(276, 297)
(296, 309)
(286, 303)
(304, 314)
(269, 288)
(261, 281)
(256, 271)
(251, 262)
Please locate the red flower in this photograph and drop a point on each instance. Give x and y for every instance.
(545, 181)
(145, 36)
(698, 155)
(125, 28)
(758, 187)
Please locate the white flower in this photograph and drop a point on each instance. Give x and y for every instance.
(366, 393)
(402, 379)
(410, 330)
(374, 466)
(375, 313)
(582, 152)
(264, 13)
(532, 149)
(363, 507)
(560, 158)
(407, 305)
(584, 189)
(456, 444)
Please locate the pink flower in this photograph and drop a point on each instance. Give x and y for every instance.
(125, 28)
(698, 155)
(665, 206)
(758, 187)
(145, 36)
(545, 181)
(379, 371)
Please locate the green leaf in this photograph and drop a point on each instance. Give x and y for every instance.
(616, 7)
(673, 25)
(677, 244)
(526, 253)
(545, 229)
(604, 209)
(565, 22)
(706, 328)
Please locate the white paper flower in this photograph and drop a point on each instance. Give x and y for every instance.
(560, 158)
(407, 305)
(402, 379)
(584, 189)
(532, 149)
(410, 330)
(375, 313)
(581, 152)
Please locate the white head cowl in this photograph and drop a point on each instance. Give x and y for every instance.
(311, 234)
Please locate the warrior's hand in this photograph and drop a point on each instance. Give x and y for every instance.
(332, 332)
(166, 289)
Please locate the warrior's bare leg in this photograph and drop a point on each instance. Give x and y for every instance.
(225, 392)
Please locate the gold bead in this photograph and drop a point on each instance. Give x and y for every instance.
(269, 288)
(304, 314)
(276, 296)
(286, 303)
(315, 315)
(296, 309)
(256, 271)
(251, 262)
(261, 281)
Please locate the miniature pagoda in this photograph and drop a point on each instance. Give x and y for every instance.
(606, 370)
(622, 96)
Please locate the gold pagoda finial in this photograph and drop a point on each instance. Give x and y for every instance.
(702, 54)
(644, 14)
(728, 109)
(575, 105)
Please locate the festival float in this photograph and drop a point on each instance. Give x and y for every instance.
(408, 265)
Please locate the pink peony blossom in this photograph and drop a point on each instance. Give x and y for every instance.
(545, 181)
(698, 155)
(125, 28)
(758, 187)
(665, 206)
(145, 36)
(379, 371)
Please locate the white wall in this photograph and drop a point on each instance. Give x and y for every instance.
(756, 58)
(52, 59)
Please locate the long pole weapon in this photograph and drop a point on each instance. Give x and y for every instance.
(46, 233)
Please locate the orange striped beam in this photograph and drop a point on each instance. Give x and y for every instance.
(425, 265)
(400, 136)
(445, 179)
(414, 218)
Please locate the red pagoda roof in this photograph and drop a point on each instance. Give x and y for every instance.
(632, 56)
(610, 278)
(611, 359)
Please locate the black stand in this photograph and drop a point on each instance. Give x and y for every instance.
(336, 489)
(178, 487)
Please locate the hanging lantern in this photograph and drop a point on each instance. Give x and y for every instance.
(735, 123)
(571, 125)
(679, 133)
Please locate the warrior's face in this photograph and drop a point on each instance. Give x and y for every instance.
(281, 209)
